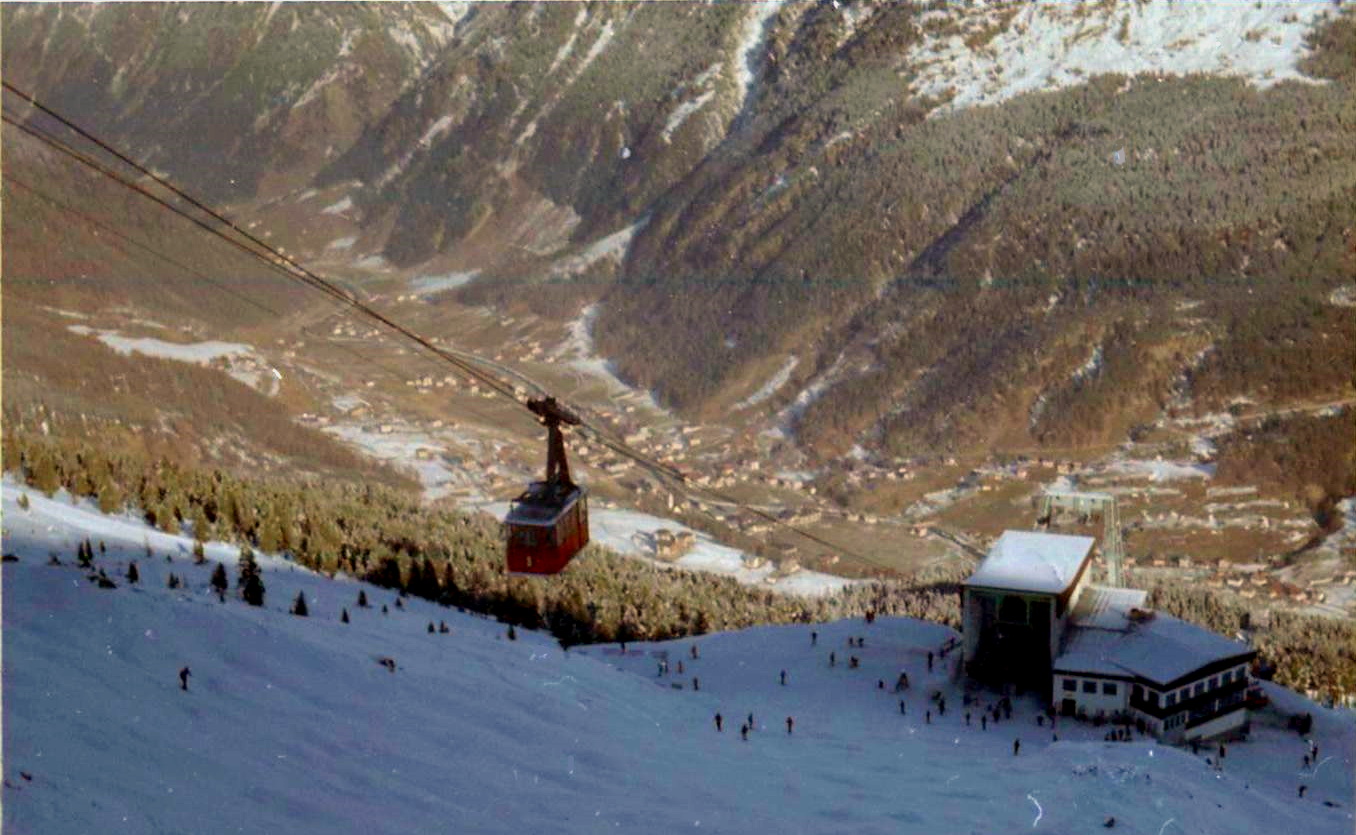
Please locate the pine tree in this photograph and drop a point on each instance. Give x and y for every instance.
(512, 633)
(23, 501)
(219, 581)
(431, 630)
(299, 606)
(133, 576)
(249, 582)
(84, 554)
(362, 599)
(343, 616)
(173, 581)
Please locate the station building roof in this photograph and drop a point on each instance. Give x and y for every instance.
(1046, 563)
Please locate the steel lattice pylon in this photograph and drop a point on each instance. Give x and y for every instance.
(1091, 503)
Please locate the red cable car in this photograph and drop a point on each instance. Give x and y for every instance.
(549, 523)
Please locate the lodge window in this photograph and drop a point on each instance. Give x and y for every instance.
(1171, 700)
(1227, 677)
(1214, 682)
(1153, 698)
(1108, 688)
(1198, 689)
(1137, 692)
(1089, 687)
(1070, 685)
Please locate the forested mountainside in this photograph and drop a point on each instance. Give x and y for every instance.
(955, 226)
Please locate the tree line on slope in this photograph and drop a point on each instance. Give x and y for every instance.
(388, 538)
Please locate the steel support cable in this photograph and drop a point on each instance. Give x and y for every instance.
(297, 272)
(293, 266)
(40, 195)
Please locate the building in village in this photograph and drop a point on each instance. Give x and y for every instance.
(1032, 617)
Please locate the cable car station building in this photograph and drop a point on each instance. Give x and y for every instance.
(1032, 617)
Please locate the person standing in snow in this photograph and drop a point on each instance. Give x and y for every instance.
(833, 659)
(929, 661)
(720, 722)
(783, 678)
(183, 678)
(751, 725)
(744, 732)
(814, 638)
(901, 708)
(983, 721)
(1016, 746)
(789, 722)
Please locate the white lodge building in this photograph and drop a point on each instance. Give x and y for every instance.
(1032, 617)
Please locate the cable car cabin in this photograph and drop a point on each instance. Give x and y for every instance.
(547, 525)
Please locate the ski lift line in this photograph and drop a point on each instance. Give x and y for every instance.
(52, 201)
(298, 271)
(39, 194)
(295, 271)
(284, 268)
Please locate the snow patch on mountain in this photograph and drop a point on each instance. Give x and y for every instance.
(338, 207)
(610, 247)
(568, 47)
(198, 353)
(427, 285)
(1344, 296)
(681, 112)
(1048, 44)
(578, 351)
(772, 385)
(787, 417)
(749, 50)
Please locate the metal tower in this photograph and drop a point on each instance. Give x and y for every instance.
(1091, 504)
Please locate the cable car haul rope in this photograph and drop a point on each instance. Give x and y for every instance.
(547, 524)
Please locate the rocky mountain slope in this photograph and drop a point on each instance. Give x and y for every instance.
(996, 226)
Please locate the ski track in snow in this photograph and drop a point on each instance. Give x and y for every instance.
(291, 725)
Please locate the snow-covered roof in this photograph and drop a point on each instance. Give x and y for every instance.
(1104, 639)
(1032, 561)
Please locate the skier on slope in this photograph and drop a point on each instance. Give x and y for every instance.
(183, 678)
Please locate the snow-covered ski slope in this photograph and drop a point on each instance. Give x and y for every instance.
(290, 725)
